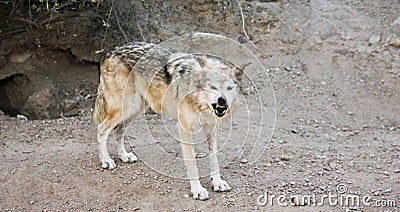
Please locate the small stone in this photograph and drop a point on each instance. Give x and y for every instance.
(280, 163)
(395, 42)
(22, 117)
(69, 105)
(186, 196)
(397, 171)
(201, 155)
(341, 51)
(345, 129)
(387, 191)
(396, 21)
(374, 39)
(244, 160)
(285, 158)
(241, 40)
(328, 31)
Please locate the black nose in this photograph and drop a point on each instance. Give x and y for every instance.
(222, 102)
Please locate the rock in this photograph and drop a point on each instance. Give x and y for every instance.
(72, 113)
(20, 57)
(387, 191)
(43, 104)
(395, 42)
(244, 160)
(341, 51)
(328, 31)
(396, 21)
(1, 112)
(241, 40)
(3, 62)
(268, 0)
(69, 105)
(374, 39)
(22, 117)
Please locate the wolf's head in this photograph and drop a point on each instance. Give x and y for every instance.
(218, 84)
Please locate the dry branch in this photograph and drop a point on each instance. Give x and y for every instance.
(32, 23)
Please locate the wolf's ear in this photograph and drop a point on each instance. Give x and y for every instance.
(238, 72)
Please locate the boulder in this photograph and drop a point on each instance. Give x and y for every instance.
(43, 104)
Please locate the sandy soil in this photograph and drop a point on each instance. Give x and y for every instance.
(337, 127)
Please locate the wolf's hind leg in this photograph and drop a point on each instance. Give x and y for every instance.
(136, 105)
(126, 157)
(104, 129)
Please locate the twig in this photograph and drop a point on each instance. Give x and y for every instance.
(119, 26)
(32, 23)
(51, 10)
(65, 5)
(61, 17)
(5, 34)
(108, 19)
(243, 28)
(141, 33)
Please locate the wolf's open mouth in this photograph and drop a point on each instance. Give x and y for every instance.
(219, 110)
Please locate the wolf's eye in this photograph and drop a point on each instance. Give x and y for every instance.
(213, 87)
(229, 88)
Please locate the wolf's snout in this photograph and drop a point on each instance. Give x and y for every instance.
(222, 102)
(220, 107)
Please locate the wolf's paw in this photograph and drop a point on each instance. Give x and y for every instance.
(200, 193)
(108, 163)
(128, 157)
(220, 185)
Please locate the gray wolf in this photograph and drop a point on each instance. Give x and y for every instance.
(196, 90)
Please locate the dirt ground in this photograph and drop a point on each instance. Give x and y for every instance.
(335, 70)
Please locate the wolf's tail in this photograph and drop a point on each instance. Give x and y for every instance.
(100, 107)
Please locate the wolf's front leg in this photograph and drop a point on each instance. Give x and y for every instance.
(198, 191)
(217, 182)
